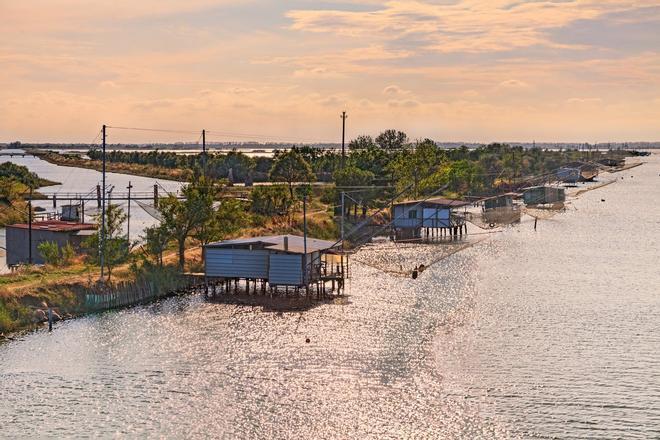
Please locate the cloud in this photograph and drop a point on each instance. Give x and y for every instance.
(315, 72)
(513, 84)
(406, 103)
(584, 101)
(462, 26)
(243, 90)
(393, 90)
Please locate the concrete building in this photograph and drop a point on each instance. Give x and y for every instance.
(411, 218)
(60, 232)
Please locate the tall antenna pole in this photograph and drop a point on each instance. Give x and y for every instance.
(343, 138)
(102, 240)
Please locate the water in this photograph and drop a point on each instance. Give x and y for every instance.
(84, 181)
(546, 334)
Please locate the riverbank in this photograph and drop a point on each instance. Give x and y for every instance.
(23, 292)
(76, 161)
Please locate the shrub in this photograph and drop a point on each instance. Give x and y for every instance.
(67, 254)
(50, 252)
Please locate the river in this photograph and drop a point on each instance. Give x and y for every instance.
(84, 181)
(553, 333)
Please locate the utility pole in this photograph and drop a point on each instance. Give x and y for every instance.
(128, 216)
(305, 236)
(204, 152)
(102, 240)
(30, 228)
(342, 218)
(343, 138)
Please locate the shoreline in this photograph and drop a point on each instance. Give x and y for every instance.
(10, 302)
(148, 171)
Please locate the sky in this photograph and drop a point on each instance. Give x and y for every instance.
(256, 70)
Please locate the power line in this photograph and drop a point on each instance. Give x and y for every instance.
(161, 130)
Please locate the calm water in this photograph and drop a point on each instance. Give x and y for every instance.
(546, 334)
(83, 181)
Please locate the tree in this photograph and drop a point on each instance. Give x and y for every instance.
(353, 176)
(291, 167)
(361, 143)
(227, 219)
(390, 140)
(230, 217)
(116, 249)
(412, 166)
(271, 200)
(155, 242)
(182, 217)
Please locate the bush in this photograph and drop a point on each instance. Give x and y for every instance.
(50, 252)
(67, 254)
(271, 200)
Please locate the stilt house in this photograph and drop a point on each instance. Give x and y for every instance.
(412, 217)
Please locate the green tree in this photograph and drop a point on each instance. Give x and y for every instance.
(361, 143)
(271, 200)
(353, 176)
(156, 239)
(415, 164)
(291, 167)
(116, 249)
(227, 219)
(390, 140)
(182, 217)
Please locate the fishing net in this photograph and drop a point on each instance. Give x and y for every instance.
(150, 209)
(401, 259)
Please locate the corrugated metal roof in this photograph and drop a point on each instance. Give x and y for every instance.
(55, 226)
(439, 201)
(276, 242)
(509, 194)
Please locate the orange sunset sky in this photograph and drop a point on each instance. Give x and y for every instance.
(455, 70)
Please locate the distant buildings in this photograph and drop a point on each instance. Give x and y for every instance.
(577, 172)
(544, 195)
(501, 209)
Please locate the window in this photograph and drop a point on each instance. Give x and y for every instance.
(412, 214)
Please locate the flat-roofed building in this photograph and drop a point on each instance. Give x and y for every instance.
(57, 231)
(410, 218)
(278, 260)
